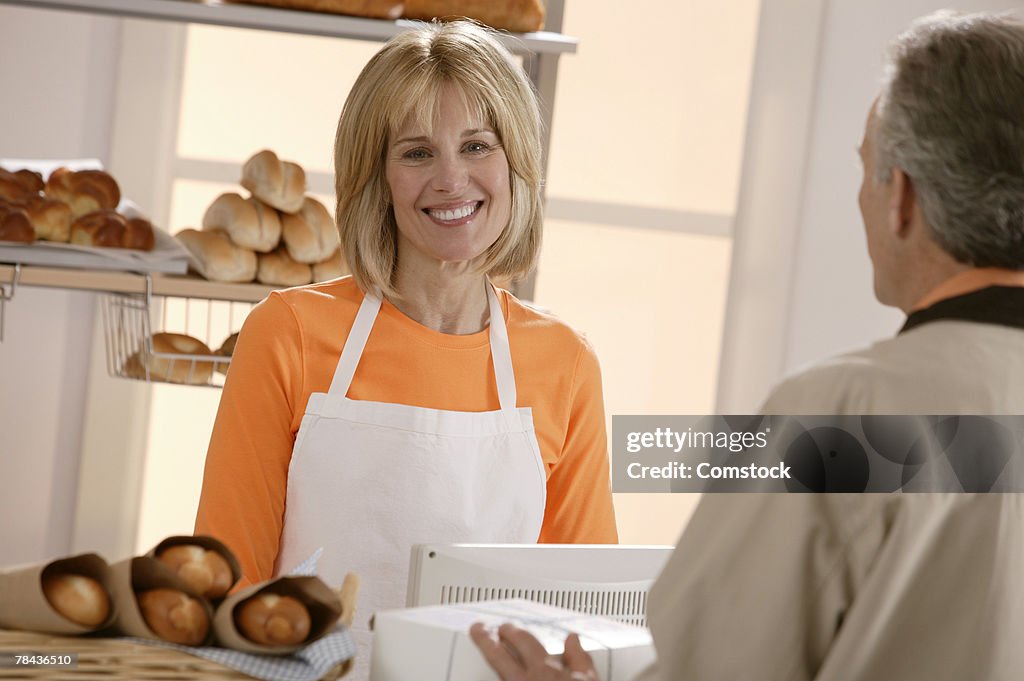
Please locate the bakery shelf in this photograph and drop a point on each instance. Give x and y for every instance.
(286, 20)
(167, 285)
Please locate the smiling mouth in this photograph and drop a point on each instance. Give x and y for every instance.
(454, 216)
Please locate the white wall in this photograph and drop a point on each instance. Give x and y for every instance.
(57, 104)
(801, 287)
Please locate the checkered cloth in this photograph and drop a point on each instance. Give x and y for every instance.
(310, 663)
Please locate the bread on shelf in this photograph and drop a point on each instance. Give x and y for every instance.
(331, 267)
(51, 219)
(280, 269)
(14, 224)
(171, 369)
(85, 191)
(20, 184)
(374, 9)
(216, 257)
(249, 222)
(520, 16)
(310, 235)
(281, 184)
(109, 229)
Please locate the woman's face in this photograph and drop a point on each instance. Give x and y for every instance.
(450, 187)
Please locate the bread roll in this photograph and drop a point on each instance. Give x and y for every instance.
(216, 257)
(51, 219)
(174, 616)
(278, 269)
(171, 369)
(273, 620)
(108, 229)
(206, 572)
(310, 235)
(14, 224)
(520, 16)
(377, 9)
(331, 268)
(79, 598)
(19, 185)
(249, 223)
(85, 190)
(278, 183)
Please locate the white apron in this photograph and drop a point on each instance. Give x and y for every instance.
(367, 480)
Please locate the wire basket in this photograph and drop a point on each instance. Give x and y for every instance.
(129, 335)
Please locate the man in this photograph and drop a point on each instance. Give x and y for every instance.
(903, 586)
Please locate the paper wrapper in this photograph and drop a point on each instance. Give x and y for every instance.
(322, 603)
(141, 574)
(23, 605)
(208, 543)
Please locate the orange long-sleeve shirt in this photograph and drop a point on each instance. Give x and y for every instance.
(289, 348)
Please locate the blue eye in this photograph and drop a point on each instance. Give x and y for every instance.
(476, 147)
(416, 154)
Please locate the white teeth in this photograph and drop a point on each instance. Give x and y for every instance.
(456, 214)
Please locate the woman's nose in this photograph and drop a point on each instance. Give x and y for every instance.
(451, 176)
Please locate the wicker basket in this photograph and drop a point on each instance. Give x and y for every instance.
(112, 659)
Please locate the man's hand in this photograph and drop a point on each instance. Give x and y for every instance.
(517, 656)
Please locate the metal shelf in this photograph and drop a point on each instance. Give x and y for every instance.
(218, 13)
(167, 285)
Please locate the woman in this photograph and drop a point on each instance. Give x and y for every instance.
(432, 407)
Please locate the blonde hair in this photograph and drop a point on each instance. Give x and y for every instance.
(402, 82)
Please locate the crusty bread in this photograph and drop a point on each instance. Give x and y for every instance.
(218, 258)
(273, 620)
(174, 616)
(281, 184)
(171, 369)
(19, 185)
(520, 16)
(206, 572)
(79, 598)
(279, 269)
(14, 223)
(109, 229)
(310, 235)
(50, 218)
(250, 223)
(85, 190)
(376, 9)
(227, 348)
(331, 267)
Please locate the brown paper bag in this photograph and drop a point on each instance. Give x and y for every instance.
(208, 543)
(134, 575)
(322, 603)
(23, 604)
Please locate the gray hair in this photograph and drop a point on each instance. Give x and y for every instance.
(951, 116)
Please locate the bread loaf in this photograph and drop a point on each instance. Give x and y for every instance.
(14, 224)
(51, 219)
(79, 598)
(216, 257)
(171, 369)
(310, 235)
(108, 229)
(273, 620)
(206, 572)
(281, 184)
(520, 16)
(17, 186)
(330, 268)
(376, 9)
(85, 190)
(278, 269)
(249, 223)
(174, 616)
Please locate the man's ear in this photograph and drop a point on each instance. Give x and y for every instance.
(902, 202)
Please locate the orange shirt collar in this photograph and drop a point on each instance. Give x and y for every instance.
(971, 280)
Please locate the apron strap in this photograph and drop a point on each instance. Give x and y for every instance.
(354, 344)
(501, 354)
